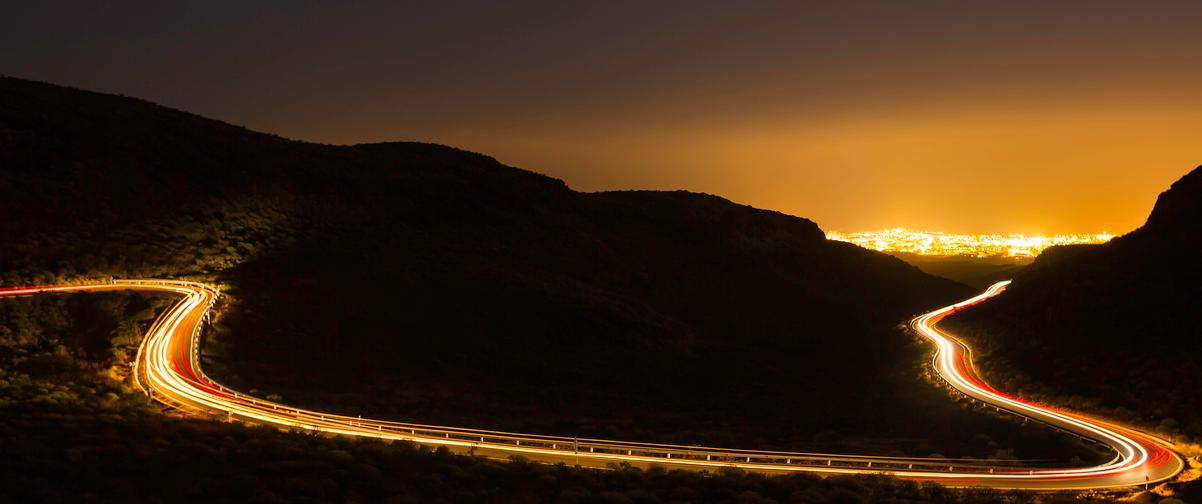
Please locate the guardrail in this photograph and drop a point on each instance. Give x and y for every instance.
(618, 451)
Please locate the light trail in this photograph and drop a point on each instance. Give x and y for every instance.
(168, 369)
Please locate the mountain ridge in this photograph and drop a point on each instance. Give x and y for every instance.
(1119, 316)
(427, 283)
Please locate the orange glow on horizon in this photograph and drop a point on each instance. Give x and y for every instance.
(1040, 170)
(980, 245)
(1013, 117)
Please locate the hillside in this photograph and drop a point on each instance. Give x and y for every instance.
(977, 272)
(1111, 327)
(71, 432)
(427, 283)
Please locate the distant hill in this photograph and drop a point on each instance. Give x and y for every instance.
(1114, 326)
(427, 283)
(977, 272)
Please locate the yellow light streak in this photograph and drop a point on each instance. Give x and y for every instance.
(168, 367)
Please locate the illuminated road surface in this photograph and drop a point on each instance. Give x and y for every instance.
(168, 368)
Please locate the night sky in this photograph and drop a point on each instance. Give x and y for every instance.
(961, 116)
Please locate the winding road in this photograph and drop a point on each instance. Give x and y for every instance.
(168, 369)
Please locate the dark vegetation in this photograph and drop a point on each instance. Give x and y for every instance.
(53, 349)
(426, 283)
(1112, 328)
(976, 272)
(667, 316)
(72, 430)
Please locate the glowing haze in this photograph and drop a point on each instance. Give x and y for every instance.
(979, 245)
(965, 117)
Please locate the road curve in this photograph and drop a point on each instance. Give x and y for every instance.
(168, 369)
(1140, 457)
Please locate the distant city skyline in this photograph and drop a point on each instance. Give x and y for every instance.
(1012, 245)
(963, 117)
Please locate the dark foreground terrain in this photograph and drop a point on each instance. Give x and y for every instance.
(72, 430)
(1112, 328)
(425, 283)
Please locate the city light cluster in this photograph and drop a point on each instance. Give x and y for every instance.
(982, 245)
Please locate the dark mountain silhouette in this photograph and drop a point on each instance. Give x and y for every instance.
(427, 283)
(1112, 326)
(71, 432)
